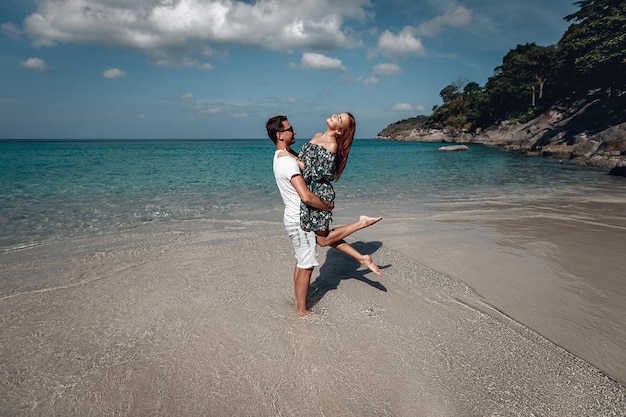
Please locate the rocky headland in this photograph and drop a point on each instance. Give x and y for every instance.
(589, 131)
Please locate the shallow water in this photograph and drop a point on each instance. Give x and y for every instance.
(198, 318)
(56, 189)
(538, 239)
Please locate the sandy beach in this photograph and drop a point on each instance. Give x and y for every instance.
(557, 268)
(197, 319)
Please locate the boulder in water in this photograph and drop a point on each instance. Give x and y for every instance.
(453, 148)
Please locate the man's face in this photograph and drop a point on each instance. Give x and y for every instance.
(287, 134)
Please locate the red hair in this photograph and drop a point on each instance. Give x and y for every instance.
(344, 143)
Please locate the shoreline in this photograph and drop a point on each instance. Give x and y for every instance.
(198, 317)
(553, 275)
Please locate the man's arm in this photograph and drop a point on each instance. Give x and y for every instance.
(307, 196)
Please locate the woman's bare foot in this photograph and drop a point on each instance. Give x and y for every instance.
(369, 264)
(368, 221)
(305, 313)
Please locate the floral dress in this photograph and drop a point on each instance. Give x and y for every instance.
(319, 170)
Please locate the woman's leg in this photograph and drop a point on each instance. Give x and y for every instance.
(327, 238)
(364, 260)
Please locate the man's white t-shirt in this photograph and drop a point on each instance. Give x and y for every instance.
(284, 169)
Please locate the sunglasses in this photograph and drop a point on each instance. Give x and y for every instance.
(289, 129)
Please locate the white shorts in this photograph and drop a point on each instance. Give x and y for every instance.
(305, 246)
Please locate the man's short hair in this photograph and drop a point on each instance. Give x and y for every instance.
(274, 125)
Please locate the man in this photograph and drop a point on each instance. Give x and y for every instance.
(293, 190)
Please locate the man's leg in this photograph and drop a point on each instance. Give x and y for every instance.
(306, 254)
(302, 281)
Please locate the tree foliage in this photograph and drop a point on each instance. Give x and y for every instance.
(451, 113)
(591, 55)
(404, 125)
(517, 88)
(593, 48)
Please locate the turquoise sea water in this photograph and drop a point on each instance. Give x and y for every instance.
(52, 190)
(539, 239)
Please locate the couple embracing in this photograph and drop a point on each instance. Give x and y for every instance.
(304, 182)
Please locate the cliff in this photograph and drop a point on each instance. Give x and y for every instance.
(589, 131)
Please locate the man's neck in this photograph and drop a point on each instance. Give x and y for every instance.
(282, 146)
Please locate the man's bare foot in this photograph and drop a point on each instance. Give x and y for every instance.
(369, 264)
(305, 313)
(368, 221)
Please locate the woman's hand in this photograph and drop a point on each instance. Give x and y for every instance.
(286, 153)
(298, 160)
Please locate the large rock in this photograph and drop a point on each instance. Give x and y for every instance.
(582, 135)
(619, 169)
(453, 148)
(589, 131)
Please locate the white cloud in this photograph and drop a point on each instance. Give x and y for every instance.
(406, 107)
(35, 64)
(361, 80)
(208, 110)
(387, 69)
(368, 81)
(404, 44)
(402, 107)
(408, 42)
(178, 59)
(187, 97)
(177, 33)
(11, 30)
(315, 61)
(458, 17)
(113, 73)
(206, 67)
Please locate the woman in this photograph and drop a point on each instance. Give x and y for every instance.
(322, 160)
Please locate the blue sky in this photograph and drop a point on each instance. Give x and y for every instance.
(196, 69)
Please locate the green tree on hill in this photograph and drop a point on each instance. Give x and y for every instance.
(593, 48)
(516, 91)
(591, 55)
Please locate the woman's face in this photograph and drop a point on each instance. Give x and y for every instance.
(339, 121)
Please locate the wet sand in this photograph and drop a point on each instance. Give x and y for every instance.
(198, 319)
(555, 266)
